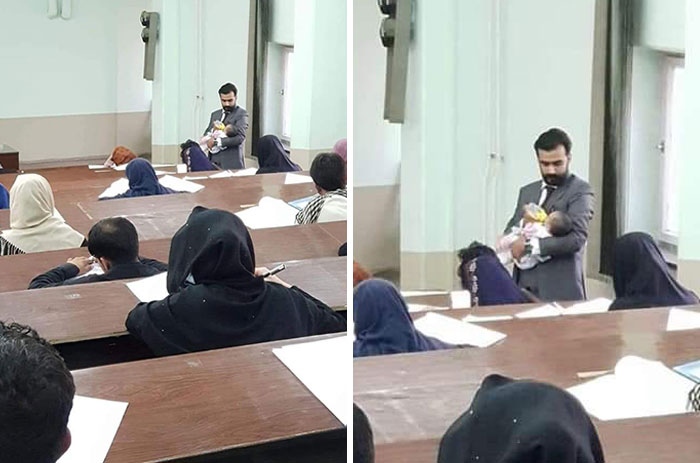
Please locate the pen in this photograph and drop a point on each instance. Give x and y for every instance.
(274, 271)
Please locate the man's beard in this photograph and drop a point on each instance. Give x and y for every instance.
(555, 180)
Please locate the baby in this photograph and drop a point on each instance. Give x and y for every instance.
(218, 131)
(555, 224)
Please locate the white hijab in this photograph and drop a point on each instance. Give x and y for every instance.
(35, 225)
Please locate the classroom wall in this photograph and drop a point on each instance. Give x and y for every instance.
(77, 82)
(376, 149)
(661, 24)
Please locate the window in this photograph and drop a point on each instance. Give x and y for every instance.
(670, 148)
(287, 73)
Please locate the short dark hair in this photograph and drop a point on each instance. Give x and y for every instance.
(552, 138)
(115, 239)
(363, 440)
(228, 87)
(560, 223)
(36, 396)
(328, 171)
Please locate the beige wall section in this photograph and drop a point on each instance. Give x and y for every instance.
(305, 157)
(430, 270)
(689, 274)
(75, 138)
(376, 221)
(165, 154)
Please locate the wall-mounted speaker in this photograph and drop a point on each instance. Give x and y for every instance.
(149, 35)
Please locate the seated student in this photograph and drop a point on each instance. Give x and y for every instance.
(383, 324)
(195, 159)
(331, 203)
(35, 225)
(466, 255)
(363, 440)
(642, 278)
(359, 274)
(120, 155)
(114, 242)
(218, 298)
(36, 397)
(272, 157)
(143, 181)
(489, 283)
(4, 197)
(521, 422)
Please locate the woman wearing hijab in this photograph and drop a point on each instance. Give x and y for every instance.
(195, 159)
(216, 300)
(4, 197)
(642, 278)
(489, 282)
(143, 181)
(120, 155)
(383, 324)
(513, 421)
(35, 225)
(272, 157)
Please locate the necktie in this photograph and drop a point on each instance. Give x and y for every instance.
(548, 192)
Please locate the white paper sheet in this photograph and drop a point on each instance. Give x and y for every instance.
(97, 166)
(179, 184)
(456, 332)
(93, 423)
(486, 318)
(638, 388)
(549, 310)
(95, 269)
(424, 308)
(116, 188)
(292, 179)
(222, 174)
(681, 319)
(153, 288)
(422, 293)
(194, 177)
(461, 299)
(181, 168)
(245, 172)
(599, 305)
(321, 366)
(270, 212)
(121, 167)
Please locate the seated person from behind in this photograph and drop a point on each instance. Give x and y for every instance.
(114, 242)
(143, 181)
(536, 224)
(36, 397)
(331, 203)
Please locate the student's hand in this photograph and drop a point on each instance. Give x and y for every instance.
(211, 143)
(83, 263)
(518, 248)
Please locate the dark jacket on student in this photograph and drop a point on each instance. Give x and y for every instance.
(215, 298)
(67, 274)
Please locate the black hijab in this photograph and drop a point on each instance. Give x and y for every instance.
(272, 157)
(215, 298)
(642, 277)
(521, 422)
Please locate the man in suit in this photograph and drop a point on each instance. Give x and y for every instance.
(230, 154)
(561, 277)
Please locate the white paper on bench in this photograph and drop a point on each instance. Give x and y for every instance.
(681, 319)
(486, 318)
(424, 308)
(453, 331)
(93, 423)
(598, 305)
(116, 188)
(179, 184)
(293, 179)
(270, 212)
(321, 366)
(638, 388)
(549, 310)
(153, 288)
(461, 299)
(422, 293)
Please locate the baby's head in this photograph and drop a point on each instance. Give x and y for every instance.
(229, 131)
(558, 223)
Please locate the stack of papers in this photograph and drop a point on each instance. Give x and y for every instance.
(292, 179)
(179, 184)
(93, 423)
(270, 212)
(461, 299)
(681, 319)
(153, 288)
(453, 331)
(637, 388)
(322, 368)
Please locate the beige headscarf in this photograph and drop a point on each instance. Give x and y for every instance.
(35, 225)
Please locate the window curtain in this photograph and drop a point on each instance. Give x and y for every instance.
(261, 36)
(617, 116)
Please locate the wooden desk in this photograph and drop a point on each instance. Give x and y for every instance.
(97, 310)
(218, 403)
(271, 245)
(411, 399)
(9, 158)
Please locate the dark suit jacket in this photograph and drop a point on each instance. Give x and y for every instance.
(66, 274)
(231, 155)
(562, 277)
